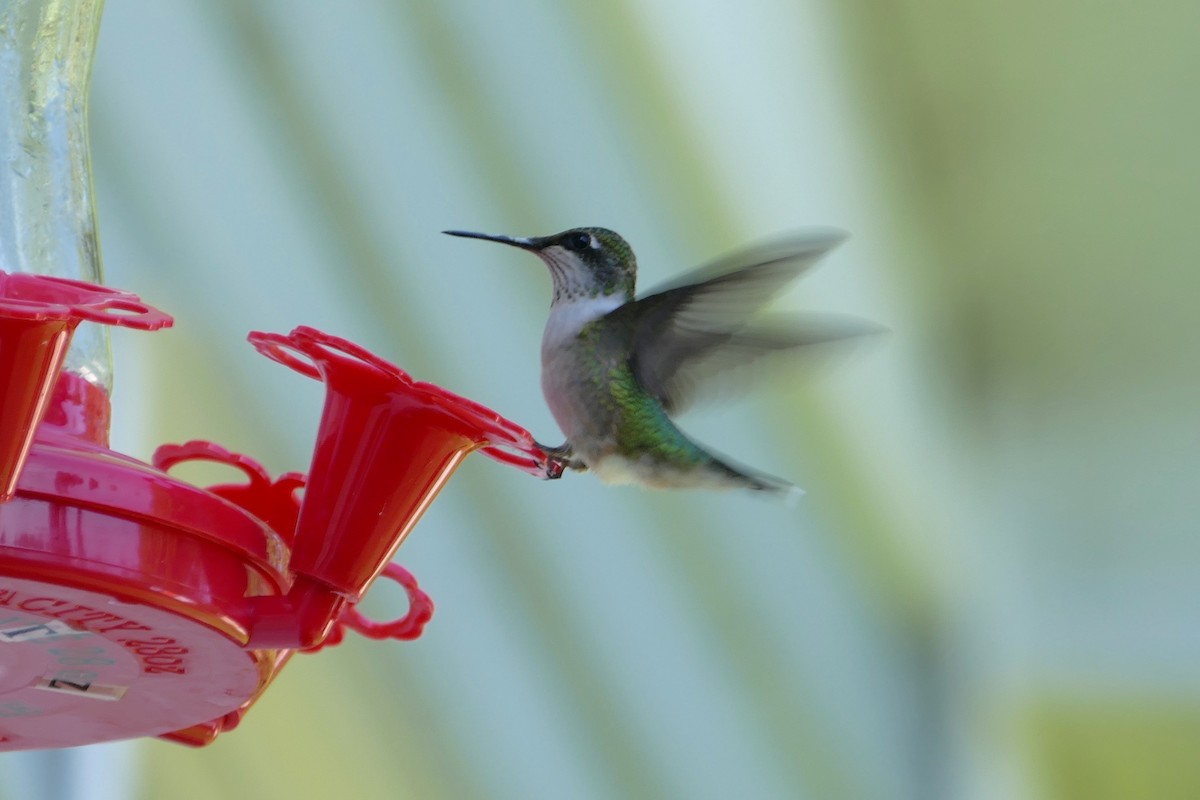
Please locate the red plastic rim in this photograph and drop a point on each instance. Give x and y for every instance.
(43, 297)
(306, 349)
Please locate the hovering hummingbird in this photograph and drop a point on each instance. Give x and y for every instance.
(615, 369)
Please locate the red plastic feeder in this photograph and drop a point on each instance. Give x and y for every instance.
(135, 604)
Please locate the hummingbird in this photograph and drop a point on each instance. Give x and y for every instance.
(617, 369)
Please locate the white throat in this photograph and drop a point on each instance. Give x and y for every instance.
(568, 317)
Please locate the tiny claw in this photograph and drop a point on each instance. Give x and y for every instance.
(559, 460)
(556, 460)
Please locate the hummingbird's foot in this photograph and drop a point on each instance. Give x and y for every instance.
(564, 457)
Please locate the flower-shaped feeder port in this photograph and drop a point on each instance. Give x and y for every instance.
(38, 316)
(386, 446)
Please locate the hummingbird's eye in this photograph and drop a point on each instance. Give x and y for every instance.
(579, 241)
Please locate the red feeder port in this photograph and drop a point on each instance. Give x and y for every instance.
(38, 315)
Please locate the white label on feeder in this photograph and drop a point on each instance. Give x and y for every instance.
(76, 685)
(29, 631)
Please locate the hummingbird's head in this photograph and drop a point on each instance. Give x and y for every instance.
(584, 262)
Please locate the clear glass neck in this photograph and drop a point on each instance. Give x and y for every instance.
(47, 213)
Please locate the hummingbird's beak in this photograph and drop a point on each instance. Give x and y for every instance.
(515, 241)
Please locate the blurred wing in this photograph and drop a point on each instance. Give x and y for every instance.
(732, 366)
(696, 327)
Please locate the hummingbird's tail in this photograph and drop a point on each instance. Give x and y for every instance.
(755, 481)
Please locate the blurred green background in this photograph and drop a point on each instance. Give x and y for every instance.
(990, 589)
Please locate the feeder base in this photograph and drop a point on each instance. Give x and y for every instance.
(81, 667)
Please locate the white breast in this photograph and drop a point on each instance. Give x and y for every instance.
(568, 318)
(558, 370)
